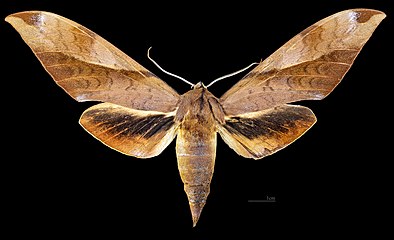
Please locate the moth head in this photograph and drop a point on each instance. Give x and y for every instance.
(199, 85)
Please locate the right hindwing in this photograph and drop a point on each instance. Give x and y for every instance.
(256, 135)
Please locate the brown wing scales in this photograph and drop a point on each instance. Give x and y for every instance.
(88, 67)
(140, 134)
(256, 135)
(309, 66)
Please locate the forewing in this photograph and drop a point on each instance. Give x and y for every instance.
(141, 134)
(88, 67)
(258, 134)
(309, 66)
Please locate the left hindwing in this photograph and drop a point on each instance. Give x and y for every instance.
(258, 134)
(136, 133)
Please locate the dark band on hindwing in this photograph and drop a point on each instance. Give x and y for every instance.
(272, 123)
(124, 125)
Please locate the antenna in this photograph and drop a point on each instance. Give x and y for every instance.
(167, 72)
(231, 74)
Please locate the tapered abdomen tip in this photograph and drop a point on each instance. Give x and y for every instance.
(196, 209)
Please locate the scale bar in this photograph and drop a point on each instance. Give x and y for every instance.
(259, 201)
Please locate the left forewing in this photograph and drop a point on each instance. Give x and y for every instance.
(88, 67)
(141, 134)
(258, 134)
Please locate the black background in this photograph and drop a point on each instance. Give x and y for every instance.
(59, 181)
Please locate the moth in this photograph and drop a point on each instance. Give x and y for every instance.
(140, 115)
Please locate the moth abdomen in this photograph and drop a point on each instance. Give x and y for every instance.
(196, 159)
(196, 172)
(197, 196)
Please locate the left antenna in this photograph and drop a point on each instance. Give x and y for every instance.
(167, 72)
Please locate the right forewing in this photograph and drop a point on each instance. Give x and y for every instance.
(309, 66)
